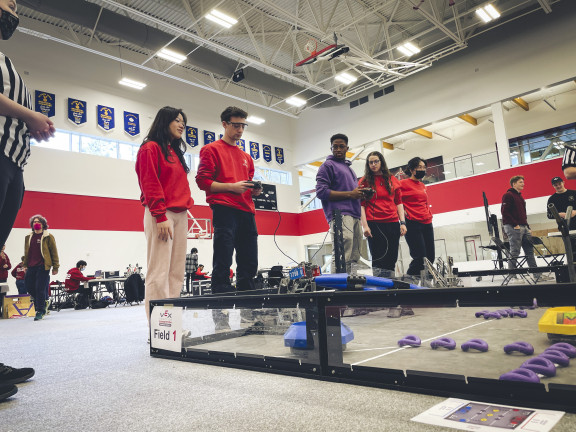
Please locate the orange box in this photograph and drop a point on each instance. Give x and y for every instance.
(18, 306)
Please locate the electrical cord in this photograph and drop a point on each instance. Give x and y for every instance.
(275, 231)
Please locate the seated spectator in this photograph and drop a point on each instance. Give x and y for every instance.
(72, 284)
(199, 275)
(19, 273)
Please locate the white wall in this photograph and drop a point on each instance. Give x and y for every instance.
(518, 58)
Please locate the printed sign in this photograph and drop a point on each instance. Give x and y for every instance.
(45, 103)
(166, 328)
(209, 137)
(267, 152)
(77, 111)
(192, 136)
(254, 150)
(242, 144)
(131, 123)
(279, 155)
(106, 118)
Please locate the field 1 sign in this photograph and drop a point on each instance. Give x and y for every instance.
(166, 328)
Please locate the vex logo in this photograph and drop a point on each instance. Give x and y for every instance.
(165, 314)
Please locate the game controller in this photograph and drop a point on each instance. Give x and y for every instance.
(367, 193)
(256, 184)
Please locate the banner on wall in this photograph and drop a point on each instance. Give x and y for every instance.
(77, 111)
(254, 150)
(279, 155)
(220, 136)
(242, 144)
(192, 136)
(45, 103)
(131, 123)
(209, 137)
(106, 118)
(267, 152)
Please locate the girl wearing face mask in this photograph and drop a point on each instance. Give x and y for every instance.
(18, 121)
(420, 233)
(382, 215)
(40, 255)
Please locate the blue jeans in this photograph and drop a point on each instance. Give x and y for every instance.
(520, 237)
(234, 230)
(21, 285)
(37, 280)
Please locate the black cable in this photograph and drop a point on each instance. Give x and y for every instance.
(275, 231)
(321, 246)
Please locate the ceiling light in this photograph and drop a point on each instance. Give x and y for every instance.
(479, 163)
(170, 55)
(408, 49)
(446, 172)
(131, 83)
(255, 120)
(296, 101)
(487, 13)
(346, 78)
(221, 18)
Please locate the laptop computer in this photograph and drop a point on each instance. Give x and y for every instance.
(98, 273)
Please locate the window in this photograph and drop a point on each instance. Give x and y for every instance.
(541, 145)
(272, 175)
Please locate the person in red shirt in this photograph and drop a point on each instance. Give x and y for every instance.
(382, 215)
(72, 283)
(224, 173)
(19, 273)
(163, 179)
(420, 232)
(4, 265)
(200, 275)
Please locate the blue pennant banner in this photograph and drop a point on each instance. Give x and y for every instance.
(267, 152)
(254, 150)
(45, 103)
(131, 123)
(242, 144)
(106, 118)
(77, 111)
(209, 137)
(192, 136)
(220, 136)
(279, 155)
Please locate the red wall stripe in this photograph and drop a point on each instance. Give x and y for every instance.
(81, 212)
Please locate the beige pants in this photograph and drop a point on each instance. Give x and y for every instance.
(166, 260)
(352, 233)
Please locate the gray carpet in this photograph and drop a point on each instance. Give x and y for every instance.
(94, 373)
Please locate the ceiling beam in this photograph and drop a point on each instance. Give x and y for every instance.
(468, 118)
(521, 103)
(545, 6)
(423, 132)
(437, 23)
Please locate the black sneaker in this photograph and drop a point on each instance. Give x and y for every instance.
(39, 316)
(7, 390)
(10, 375)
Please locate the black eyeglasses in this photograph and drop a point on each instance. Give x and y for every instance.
(374, 162)
(237, 125)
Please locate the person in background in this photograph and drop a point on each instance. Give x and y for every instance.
(191, 267)
(337, 188)
(74, 277)
(18, 121)
(4, 265)
(200, 275)
(165, 194)
(40, 255)
(225, 174)
(19, 273)
(562, 199)
(419, 229)
(569, 163)
(383, 218)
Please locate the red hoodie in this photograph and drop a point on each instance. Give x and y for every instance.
(73, 279)
(225, 163)
(164, 184)
(19, 272)
(4, 271)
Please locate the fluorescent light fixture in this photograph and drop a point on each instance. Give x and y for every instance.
(170, 55)
(255, 120)
(296, 101)
(131, 83)
(479, 163)
(221, 18)
(346, 78)
(487, 13)
(446, 172)
(408, 49)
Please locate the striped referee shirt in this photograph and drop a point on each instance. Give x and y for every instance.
(14, 134)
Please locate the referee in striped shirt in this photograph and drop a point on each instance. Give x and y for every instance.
(18, 122)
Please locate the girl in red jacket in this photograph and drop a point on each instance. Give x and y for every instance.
(163, 179)
(420, 233)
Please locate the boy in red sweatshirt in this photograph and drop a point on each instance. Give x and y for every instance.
(72, 284)
(224, 173)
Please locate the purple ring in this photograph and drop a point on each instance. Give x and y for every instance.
(411, 340)
(519, 313)
(492, 315)
(540, 365)
(444, 342)
(525, 375)
(481, 313)
(556, 356)
(475, 344)
(503, 312)
(521, 347)
(566, 348)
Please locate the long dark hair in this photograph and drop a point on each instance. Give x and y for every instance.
(160, 133)
(413, 164)
(369, 175)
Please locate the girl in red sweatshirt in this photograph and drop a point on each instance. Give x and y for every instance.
(163, 179)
